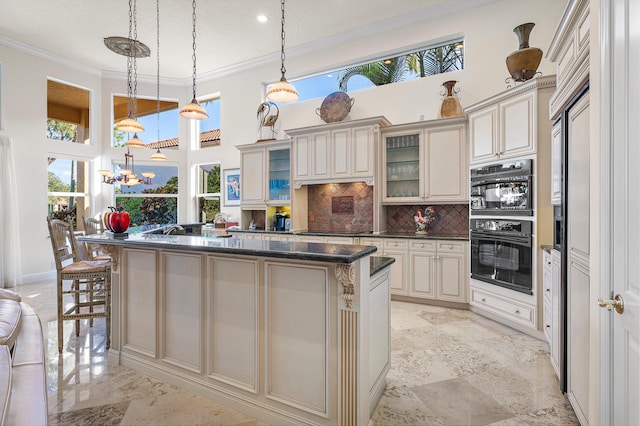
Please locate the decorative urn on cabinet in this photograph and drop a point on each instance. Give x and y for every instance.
(523, 63)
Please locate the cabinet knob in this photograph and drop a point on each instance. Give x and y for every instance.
(517, 311)
(548, 289)
(548, 326)
(484, 300)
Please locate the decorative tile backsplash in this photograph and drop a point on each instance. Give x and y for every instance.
(352, 202)
(454, 218)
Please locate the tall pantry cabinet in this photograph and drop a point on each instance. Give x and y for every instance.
(570, 111)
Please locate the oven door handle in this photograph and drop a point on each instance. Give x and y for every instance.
(524, 240)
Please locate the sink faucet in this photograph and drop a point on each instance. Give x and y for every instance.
(170, 229)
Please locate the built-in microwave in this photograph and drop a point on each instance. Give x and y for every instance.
(502, 189)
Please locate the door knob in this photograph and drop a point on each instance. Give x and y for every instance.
(617, 303)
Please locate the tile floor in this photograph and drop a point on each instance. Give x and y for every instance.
(449, 367)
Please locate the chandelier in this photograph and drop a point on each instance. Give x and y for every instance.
(132, 49)
(127, 175)
(282, 91)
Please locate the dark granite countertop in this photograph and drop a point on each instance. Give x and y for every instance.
(334, 253)
(378, 263)
(463, 237)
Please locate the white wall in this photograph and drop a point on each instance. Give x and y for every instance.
(488, 36)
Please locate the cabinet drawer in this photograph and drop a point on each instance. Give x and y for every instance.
(504, 307)
(366, 241)
(452, 246)
(338, 240)
(392, 243)
(422, 245)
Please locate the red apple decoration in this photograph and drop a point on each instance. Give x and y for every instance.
(117, 220)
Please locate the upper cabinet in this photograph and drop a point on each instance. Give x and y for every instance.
(556, 164)
(425, 162)
(569, 49)
(506, 125)
(336, 152)
(265, 170)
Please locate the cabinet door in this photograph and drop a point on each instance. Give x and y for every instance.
(421, 274)
(555, 310)
(556, 164)
(341, 153)
(451, 280)
(253, 174)
(279, 174)
(446, 171)
(398, 271)
(483, 134)
(401, 181)
(301, 152)
(363, 148)
(321, 155)
(517, 126)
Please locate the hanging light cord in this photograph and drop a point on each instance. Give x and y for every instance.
(282, 68)
(134, 101)
(193, 17)
(130, 63)
(158, 64)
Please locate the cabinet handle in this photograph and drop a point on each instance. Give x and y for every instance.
(484, 300)
(548, 289)
(548, 326)
(517, 311)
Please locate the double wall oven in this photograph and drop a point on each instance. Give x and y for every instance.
(501, 246)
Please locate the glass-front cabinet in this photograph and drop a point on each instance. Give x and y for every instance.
(265, 174)
(425, 162)
(402, 153)
(279, 169)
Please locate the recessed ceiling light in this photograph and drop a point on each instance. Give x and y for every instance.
(262, 18)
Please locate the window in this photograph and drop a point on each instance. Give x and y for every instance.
(210, 128)
(67, 113)
(147, 110)
(155, 203)
(424, 62)
(67, 194)
(208, 191)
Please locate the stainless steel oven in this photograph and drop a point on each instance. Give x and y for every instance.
(502, 189)
(502, 253)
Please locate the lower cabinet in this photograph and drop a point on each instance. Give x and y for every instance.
(551, 283)
(426, 269)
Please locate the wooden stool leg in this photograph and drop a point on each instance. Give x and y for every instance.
(76, 298)
(60, 321)
(107, 308)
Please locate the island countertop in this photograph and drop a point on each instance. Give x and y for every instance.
(335, 253)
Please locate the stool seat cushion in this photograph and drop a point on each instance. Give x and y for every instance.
(9, 294)
(10, 314)
(86, 267)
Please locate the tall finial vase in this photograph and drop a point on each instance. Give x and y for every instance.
(523, 63)
(450, 104)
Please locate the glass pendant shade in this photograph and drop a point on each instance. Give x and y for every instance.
(194, 111)
(134, 142)
(282, 91)
(129, 125)
(158, 156)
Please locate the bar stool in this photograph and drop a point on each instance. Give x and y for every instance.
(90, 281)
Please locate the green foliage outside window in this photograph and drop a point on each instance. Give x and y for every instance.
(61, 130)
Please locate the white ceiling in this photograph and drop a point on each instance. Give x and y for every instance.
(228, 33)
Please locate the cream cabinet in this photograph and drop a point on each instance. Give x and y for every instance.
(551, 283)
(556, 164)
(265, 174)
(425, 162)
(438, 270)
(336, 152)
(426, 268)
(506, 125)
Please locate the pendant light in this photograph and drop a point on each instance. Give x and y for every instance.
(282, 91)
(194, 110)
(158, 156)
(132, 49)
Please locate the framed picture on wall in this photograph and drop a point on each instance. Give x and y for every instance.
(231, 182)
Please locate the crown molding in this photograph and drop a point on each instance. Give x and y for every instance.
(45, 54)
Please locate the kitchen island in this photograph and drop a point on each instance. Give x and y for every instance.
(286, 332)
